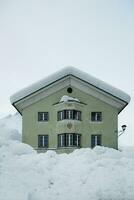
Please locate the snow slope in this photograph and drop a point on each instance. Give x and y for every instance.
(98, 174)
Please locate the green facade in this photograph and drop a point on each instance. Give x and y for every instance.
(107, 128)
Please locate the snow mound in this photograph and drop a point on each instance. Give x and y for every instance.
(98, 174)
(21, 148)
(66, 98)
(10, 128)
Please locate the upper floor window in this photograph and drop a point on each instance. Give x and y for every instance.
(43, 141)
(96, 116)
(42, 116)
(69, 114)
(68, 140)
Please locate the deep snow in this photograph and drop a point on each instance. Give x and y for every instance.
(98, 174)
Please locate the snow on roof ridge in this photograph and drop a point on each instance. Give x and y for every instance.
(69, 70)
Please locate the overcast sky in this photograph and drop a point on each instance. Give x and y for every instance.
(40, 37)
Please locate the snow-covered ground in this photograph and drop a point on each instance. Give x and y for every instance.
(98, 174)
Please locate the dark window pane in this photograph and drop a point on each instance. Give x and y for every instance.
(63, 114)
(42, 116)
(39, 141)
(59, 115)
(77, 140)
(78, 115)
(45, 116)
(96, 116)
(67, 140)
(70, 114)
(99, 140)
(67, 114)
(39, 116)
(93, 116)
(95, 140)
(43, 141)
(61, 140)
(74, 114)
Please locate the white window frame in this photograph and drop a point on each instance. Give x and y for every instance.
(77, 140)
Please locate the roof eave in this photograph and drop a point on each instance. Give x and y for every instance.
(23, 98)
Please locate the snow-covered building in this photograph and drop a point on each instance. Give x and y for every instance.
(70, 109)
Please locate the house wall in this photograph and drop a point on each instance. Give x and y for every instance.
(107, 128)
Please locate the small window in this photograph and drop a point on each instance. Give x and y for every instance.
(43, 141)
(96, 116)
(69, 90)
(95, 140)
(42, 116)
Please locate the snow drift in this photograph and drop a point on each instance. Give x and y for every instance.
(98, 174)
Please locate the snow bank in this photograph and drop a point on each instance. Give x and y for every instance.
(10, 128)
(98, 174)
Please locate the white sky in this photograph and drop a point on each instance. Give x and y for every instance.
(40, 37)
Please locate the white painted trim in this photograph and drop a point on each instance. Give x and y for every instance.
(96, 140)
(43, 140)
(96, 122)
(77, 141)
(61, 139)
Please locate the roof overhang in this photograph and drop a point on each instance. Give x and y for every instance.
(69, 80)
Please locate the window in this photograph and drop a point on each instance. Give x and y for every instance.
(69, 90)
(42, 116)
(95, 140)
(69, 114)
(96, 116)
(43, 141)
(69, 140)
(61, 140)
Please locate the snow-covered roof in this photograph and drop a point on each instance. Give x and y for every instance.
(74, 72)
